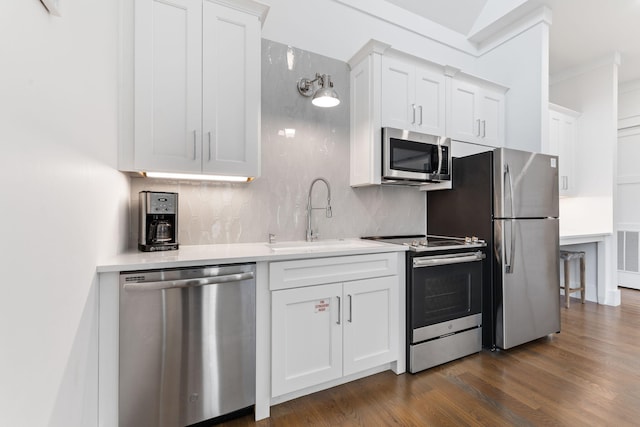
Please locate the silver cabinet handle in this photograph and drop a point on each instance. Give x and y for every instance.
(194, 144)
(420, 107)
(478, 123)
(350, 308)
(187, 283)
(209, 134)
(565, 182)
(436, 260)
(339, 311)
(413, 108)
(484, 128)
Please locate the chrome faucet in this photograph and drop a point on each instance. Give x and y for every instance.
(311, 235)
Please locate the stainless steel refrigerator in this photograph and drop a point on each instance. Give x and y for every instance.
(509, 198)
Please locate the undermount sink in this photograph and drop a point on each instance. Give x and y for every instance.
(320, 245)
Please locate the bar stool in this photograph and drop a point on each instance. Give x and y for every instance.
(567, 257)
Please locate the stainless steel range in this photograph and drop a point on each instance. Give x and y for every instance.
(444, 298)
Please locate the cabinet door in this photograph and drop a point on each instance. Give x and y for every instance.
(168, 88)
(398, 93)
(231, 91)
(555, 125)
(430, 102)
(463, 123)
(306, 346)
(365, 144)
(566, 147)
(370, 323)
(491, 115)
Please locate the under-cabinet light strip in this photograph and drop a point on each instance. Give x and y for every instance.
(198, 177)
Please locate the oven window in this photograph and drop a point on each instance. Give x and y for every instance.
(444, 293)
(413, 156)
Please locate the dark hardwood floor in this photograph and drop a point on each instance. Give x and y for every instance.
(588, 375)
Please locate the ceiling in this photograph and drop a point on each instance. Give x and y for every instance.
(583, 31)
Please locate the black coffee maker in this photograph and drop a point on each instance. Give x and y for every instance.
(158, 221)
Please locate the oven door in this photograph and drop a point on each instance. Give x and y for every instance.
(444, 288)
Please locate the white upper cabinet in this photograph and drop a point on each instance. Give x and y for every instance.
(168, 85)
(563, 131)
(393, 89)
(197, 87)
(231, 91)
(476, 112)
(413, 97)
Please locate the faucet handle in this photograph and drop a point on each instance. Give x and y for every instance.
(272, 238)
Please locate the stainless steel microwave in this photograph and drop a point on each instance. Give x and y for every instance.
(414, 158)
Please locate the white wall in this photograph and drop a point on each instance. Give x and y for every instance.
(522, 64)
(338, 29)
(627, 207)
(63, 205)
(593, 91)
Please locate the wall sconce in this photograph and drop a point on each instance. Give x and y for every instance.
(321, 88)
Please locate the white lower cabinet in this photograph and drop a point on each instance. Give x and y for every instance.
(307, 337)
(370, 323)
(323, 332)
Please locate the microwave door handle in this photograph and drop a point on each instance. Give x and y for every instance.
(439, 159)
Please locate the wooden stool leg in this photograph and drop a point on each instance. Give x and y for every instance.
(582, 280)
(567, 283)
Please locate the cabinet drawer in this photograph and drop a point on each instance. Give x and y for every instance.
(310, 272)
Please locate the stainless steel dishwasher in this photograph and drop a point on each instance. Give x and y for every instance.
(187, 344)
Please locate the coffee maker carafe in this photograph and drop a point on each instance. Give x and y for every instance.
(158, 221)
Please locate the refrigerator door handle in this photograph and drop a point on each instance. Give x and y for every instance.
(508, 265)
(509, 260)
(507, 176)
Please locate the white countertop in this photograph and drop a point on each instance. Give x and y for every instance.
(574, 238)
(188, 256)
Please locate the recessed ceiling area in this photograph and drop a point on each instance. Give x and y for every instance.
(583, 31)
(457, 15)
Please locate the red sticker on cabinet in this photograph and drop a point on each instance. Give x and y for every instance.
(320, 306)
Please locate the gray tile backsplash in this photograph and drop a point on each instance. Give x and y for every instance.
(276, 202)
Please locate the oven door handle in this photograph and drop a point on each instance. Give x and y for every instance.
(448, 259)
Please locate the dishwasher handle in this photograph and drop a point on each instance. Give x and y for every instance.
(437, 260)
(188, 283)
